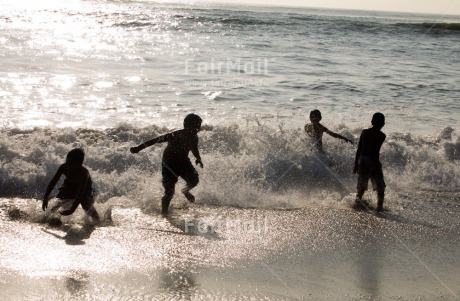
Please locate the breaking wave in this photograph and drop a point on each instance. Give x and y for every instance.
(244, 166)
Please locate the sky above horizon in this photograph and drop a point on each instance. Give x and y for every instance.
(451, 7)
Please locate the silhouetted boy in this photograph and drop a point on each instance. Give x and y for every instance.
(176, 162)
(77, 185)
(367, 162)
(316, 130)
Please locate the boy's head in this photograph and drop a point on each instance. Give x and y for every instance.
(378, 120)
(315, 116)
(193, 122)
(75, 157)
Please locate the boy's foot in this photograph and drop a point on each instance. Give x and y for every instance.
(360, 205)
(190, 197)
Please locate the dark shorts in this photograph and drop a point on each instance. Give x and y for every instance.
(171, 171)
(370, 170)
(68, 192)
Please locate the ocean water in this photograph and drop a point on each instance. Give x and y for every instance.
(273, 219)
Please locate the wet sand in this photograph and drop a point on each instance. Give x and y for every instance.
(222, 253)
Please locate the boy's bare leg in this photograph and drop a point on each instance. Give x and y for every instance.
(190, 197)
(359, 203)
(363, 181)
(166, 199)
(71, 209)
(381, 196)
(93, 213)
(192, 181)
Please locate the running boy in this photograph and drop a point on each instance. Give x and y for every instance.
(176, 162)
(77, 185)
(315, 130)
(367, 162)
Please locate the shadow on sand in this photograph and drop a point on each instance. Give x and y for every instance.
(74, 235)
(190, 226)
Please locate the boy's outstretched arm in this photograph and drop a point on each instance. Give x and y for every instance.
(160, 139)
(51, 185)
(335, 135)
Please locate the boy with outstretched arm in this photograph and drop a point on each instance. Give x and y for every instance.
(176, 162)
(77, 185)
(367, 161)
(315, 130)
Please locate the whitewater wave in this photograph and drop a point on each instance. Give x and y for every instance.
(251, 166)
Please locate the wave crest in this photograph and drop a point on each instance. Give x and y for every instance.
(244, 166)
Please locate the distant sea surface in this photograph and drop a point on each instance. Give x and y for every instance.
(96, 64)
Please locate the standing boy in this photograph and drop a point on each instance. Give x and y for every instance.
(176, 162)
(367, 162)
(315, 130)
(77, 185)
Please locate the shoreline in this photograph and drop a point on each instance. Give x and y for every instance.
(306, 254)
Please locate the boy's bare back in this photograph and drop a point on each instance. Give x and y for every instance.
(74, 174)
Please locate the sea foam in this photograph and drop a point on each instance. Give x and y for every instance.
(244, 166)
